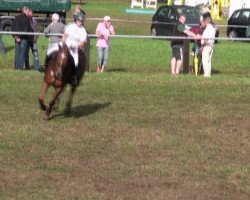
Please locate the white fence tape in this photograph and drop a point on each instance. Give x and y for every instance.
(129, 36)
(147, 22)
(127, 21)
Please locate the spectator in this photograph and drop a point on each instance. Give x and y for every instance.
(54, 28)
(32, 42)
(75, 37)
(248, 32)
(177, 44)
(103, 31)
(21, 24)
(78, 10)
(207, 42)
(197, 45)
(1, 41)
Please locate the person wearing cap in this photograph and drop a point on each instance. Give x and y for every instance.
(75, 36)
(103, 31)
(207, 43)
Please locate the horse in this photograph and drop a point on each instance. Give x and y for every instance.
(58, 74)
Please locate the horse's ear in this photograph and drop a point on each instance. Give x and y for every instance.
(59, 46)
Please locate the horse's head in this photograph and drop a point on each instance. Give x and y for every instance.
(63, 55)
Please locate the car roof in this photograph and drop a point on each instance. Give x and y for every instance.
(243, 9)
(178, 6)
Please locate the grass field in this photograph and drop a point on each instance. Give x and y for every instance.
(135, 132)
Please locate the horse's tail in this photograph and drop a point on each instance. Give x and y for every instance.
(82, 66)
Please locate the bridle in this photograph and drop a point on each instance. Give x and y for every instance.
(59, 66)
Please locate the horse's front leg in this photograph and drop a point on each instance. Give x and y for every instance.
(52, 102)
(70, 99)
(44, 89)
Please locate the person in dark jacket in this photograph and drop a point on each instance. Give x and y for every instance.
(32, 42)
(21, 24)
(1, 41)
(180, 30)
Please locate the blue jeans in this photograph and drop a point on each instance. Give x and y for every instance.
(20, 53)
(34, 49)
(103, 54)
(1, 45)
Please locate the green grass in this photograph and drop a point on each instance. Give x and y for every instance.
(131, 135)
(135, 132)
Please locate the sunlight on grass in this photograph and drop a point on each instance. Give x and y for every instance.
(135, 131)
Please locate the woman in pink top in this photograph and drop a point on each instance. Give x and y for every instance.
(103, 31)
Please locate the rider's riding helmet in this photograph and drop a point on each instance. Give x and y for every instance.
(80, 16)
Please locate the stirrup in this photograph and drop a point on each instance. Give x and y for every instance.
(73, 81)
(41, 68)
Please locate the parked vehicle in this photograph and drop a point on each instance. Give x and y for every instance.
(166, 17)
(238, 22)
(41, 9)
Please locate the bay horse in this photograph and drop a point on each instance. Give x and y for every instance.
(58, 74)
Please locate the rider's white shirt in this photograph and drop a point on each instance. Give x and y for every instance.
(75, 35)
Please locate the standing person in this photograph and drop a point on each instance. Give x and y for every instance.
(177, 44)
(197, 45)
(53, 28)
(103, 31)
(248, 32)
(32, 42)
(1, 41)
(75, 37)
(207, 42)
(21, 24)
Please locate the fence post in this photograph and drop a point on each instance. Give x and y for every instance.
(87, 53)
(186, 44)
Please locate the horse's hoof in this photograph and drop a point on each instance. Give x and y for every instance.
(55, 108)
(43, 107)
(46, 117)
(67, 110)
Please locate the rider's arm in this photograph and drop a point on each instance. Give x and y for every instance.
(64, 37)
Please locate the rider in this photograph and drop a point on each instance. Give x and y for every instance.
(75, 37)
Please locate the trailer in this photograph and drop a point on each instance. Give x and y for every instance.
(42, 9)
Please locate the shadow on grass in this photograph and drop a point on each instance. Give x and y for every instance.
(82, 110)
(116, 70)
(8, 48)
(214, 71)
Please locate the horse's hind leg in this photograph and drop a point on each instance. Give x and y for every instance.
(70, 99)
(56, 106)
(52, 102)
(42, 96)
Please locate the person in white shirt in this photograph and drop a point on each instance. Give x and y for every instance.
(207, 42)
(75, 35)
